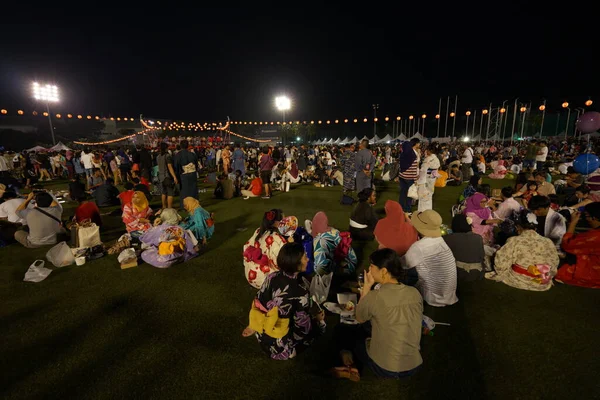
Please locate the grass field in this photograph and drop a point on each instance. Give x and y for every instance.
(98, 332)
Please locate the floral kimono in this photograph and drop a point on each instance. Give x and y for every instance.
(527, 261)
(292, 299)
(333, 253)
(200, 223)
(260, 256)
(169, 244)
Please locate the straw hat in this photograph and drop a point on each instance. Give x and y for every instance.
(427, 223)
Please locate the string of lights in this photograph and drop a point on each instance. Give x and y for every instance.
(144, 132)
(213, 126)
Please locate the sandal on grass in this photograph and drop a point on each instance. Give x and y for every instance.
(350, 373)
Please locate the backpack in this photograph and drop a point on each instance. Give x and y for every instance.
(343, 248)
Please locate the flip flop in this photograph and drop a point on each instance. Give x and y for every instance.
(346, 373)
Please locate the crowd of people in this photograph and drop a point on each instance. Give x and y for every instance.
(540, 228)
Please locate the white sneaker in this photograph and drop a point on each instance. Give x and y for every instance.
(246, 198)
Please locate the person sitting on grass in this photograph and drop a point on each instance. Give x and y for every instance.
(363, 219)
(199, 221)
(106, 195)
(261, 250)
(280, 315)
(394, 313)
(168, 243)
(126, 195)
(224, 188)
(43, 220)
(136, 215)
(87, 210)
(254, 189)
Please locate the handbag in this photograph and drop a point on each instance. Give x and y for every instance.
(412, 192)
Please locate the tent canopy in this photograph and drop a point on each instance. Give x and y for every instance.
(386, 139)
(59, 147)
(36, 149)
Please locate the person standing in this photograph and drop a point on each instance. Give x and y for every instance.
(467, 161)
(348, 162)
(166, 176)
(365, 165)
(185, 163)
(265, 166)
(409, 171)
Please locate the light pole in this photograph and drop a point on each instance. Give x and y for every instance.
(423, 118)
(47, 93)
(410, 121)
(523, 111)
(543, 110)
(579, 112)
(566, 105)
(512, 130)
(375, 108)
(283, 103)
(437, 116)
(468, 113)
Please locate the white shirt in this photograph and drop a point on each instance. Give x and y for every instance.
(467, 157)
(86, 160)
(436, 267)
(507, 208)
(542, 157)
(8, 208)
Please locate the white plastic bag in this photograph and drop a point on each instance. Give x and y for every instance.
(60, 255)
(126, 255)
(412, 192)
(319, 286)
(37, 272)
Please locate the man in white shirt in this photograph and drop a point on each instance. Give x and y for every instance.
(467, 160)
(542, 154)
(9, 207)
(433, 260)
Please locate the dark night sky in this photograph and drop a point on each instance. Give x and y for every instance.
(209, 63)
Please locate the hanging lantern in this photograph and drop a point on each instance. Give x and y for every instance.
(468, 113)
(20, 112)
(355, 120)
(3, 111)
(45, 114)
(565, 105)
(35, 113)
(58, 115)
(484, 112)
(452, 114)
(69, 115)
(502, 110)
(411, 117)
(523, 109)
(589, 103)
(365, 120)
(346, 121)
(424, 116)
(397, 118)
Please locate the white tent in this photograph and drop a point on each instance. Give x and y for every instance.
(364, 138)
(336, 141)
(386, 139)
(374, 140)
(59, 147)
(417, 136)
(330, 141)
(354, 140)
(344, 141)
(36, 149)
(401, 137)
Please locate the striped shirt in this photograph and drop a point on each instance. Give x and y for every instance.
(436, 267)
(412, 173)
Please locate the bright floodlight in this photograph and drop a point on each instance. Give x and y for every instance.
(48, 93)
(466, 139)
(283, 103)
(298, 138)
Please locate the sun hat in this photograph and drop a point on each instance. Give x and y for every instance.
(427, 223)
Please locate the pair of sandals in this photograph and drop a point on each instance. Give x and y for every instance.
(345, 372)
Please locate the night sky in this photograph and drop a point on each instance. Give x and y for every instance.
(207, 64)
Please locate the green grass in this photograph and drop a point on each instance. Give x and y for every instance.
(96, 331)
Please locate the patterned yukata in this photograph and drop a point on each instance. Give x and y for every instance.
(329, 256)
(288, 293)
(260, 256)
(348, 163)
(527, 261)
